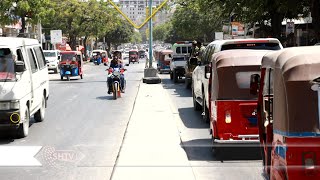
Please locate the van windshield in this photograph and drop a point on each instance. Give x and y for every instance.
(6, 65)
(49, 54)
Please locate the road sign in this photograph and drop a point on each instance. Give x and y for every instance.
(56, 36)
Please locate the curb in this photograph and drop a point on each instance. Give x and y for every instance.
(151, 80)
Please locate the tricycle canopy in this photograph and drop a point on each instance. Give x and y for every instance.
(296, 104)
(231, 72)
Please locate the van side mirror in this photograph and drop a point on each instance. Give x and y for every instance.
(254, 84)
(207, 71)
(193, 61)
(19, 66)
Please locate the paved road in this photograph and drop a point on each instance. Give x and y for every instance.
(239, 163)
(83, 130)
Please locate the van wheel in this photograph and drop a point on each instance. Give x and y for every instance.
(39, 115)
(23, 129)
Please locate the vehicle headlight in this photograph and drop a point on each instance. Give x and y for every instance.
(9, 105)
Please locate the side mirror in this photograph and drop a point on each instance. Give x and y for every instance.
(254, 84)
(207, 71)
(193, 61)
(19, 66)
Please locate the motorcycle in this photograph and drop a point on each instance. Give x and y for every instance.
(116, 82)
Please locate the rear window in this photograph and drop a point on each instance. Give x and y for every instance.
(178, 59)
(243, 79)
(258, 45)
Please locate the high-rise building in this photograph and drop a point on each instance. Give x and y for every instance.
(136, 9)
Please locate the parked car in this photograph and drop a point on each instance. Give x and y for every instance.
(200, 83)
(24, 72)
(52, 58)
(177, 70)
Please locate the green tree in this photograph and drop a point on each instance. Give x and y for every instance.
(136, 37)
(11, 11)
(121, 32)
(161, 32)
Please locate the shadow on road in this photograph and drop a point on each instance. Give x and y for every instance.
(179, 88)
(192, 119)
(105, 97)
(6, 137)
(201, 150)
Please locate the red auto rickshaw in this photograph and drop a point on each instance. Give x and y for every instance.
(288, 113)
(163, 64)
(133, 56)
(71, 64)
(232, 108)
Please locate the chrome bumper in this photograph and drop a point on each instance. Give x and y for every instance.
(245, 139)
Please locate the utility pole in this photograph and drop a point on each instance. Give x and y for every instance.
(150, 34)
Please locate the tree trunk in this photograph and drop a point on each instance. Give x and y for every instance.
(85, 47)
(73, 42)
(276, 24)
(315, 13)
(23, 27)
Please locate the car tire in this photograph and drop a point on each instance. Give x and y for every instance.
(39, 115)
(175, 77)
(205, 117)
(187, 84)
(196, 105)
(23, 129)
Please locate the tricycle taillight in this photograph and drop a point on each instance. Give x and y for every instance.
(228, 117)
(309, 160)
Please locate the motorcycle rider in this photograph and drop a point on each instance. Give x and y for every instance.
(115, 63)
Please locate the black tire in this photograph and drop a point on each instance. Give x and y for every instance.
(175, 77)
(196, 105)
(171, 76)
(115, 91)
(39, 115)
(205, 109)
(23, 129)
(81, 76)
(61, 78)
(187, 84)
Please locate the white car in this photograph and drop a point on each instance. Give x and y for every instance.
(52, 58)
(24, 83)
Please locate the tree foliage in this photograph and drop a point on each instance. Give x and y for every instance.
(11, 11)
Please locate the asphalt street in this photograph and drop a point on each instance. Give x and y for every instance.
(83, 129)
(237, 163)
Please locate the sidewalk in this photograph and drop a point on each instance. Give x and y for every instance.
(151, 148)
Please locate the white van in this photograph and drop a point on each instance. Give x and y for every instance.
(24, 83)
(182, 48)
(52, 58)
